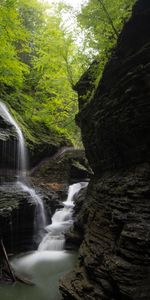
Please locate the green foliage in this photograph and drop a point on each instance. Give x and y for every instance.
(102, 21)
(41, 60)
(37, 68)
(12, 69)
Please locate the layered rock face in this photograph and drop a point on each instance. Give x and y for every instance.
(67, 165)
(115, 125)
(17, 211)
(114, 258)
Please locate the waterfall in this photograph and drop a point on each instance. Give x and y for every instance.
(61, 222)
(22, 156)
(45, 265)
(40, 219)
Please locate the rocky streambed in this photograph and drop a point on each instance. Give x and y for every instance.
(18, 209)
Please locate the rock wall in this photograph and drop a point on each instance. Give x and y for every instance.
(16, 219)
(68, 165)
(114, 258)
(115, 124)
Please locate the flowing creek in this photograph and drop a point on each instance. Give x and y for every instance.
(50, 261)
(46, 265)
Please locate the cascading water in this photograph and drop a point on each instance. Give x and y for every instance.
(61, 221)
(51, 261)
(22, 156)
(46, 265)
(40, 219)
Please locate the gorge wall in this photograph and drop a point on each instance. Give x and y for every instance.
(17, 211)
(114, 257)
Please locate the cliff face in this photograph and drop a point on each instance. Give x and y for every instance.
(115, 125)
(114, 258)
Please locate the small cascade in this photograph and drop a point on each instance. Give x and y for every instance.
(61, 222)
(40, 217)
(21, 183)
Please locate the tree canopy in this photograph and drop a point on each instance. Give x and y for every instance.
(102, 21)
(41, 59)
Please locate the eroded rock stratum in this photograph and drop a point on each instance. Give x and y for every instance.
(114, 258)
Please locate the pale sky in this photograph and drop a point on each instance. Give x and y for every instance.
(69, 18)
(75, 3)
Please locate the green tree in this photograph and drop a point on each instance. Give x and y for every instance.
(41, 59)
(102, 21)
(12, 69)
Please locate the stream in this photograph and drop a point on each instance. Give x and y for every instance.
(50, 261)
(44, 269)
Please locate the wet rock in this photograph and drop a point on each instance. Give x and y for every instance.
(52, 199)
(75, 235)
(70, 165)
(114, 257)
(16, 219)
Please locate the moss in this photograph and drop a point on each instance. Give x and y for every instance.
(37, 133)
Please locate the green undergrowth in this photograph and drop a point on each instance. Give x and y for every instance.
(36, 132)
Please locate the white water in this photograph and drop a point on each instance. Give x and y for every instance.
(61, 221)
(40, 218)
(45, 267)
(22, 157)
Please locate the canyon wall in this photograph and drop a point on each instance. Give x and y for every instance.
(114, 257)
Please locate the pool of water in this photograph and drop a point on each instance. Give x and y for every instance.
(43, 268)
